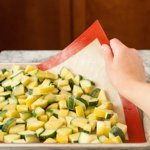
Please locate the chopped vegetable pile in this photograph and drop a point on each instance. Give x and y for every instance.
(40, 106)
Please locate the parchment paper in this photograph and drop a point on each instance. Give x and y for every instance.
(89, 62)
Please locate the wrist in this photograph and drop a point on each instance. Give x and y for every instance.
(131, 87)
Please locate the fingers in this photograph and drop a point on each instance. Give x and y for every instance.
(108, 56)
(117, 46)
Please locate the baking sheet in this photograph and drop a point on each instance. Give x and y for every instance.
(88, 49)
(84, 56)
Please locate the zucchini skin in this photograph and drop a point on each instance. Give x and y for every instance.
(6, 126)
(116, 131)
(83, 101)
(44, 137)
(95, 92)
(71, 103)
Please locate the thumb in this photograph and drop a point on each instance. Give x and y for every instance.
(108, 55)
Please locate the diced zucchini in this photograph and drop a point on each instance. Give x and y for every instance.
(116, 131)
(50, 97)
(5, 94)
(43, 118)
(123, 127)
(79, 122)
(32, 119)
(33, 126)
(103, 139)
(103, 128)
(30, 68)
(66, 88)
(16, 80)
(73, 114)
(2, 134)
(63, 113)
(3, 113)
(2, 99)
(62, 83)
(64, 131)
(68, 119)
(25, 80)
(11, 137)
(38, 112)
(39, 132)
(53, 125)
(70, 103)
(54, 105)
(66, 74)
(102, 96)
(22, 108)
(50, 141)
(7, 84)
(109, 114)
(87, 86)
(40, 74)
(89, 111)
(77, 79)
(27, 132)
(30, 91)
(41, 102)
(2, 78)
(62, 104)
(74, 128)
(20, 121)
(61, 97)
(48, 134)
(46, 90)
(10, 107)
(17, 128)
(31, 139)
(73, 138)
(93, 102)
(63, 139)
(86, 138)
(71, 83)
(100, 112)
(25, 115)
(79, 111)
(30, 100)
(106, 105)
(1, 89)
(12, 114)
(8, 124)
(77, 91)
(12, 100)
(3, 104)
(3, 70)
(53, 112)
(114, 119)
(95, 92)
(40, 106)
(18, 90)
(81, 102)
(16, 68)
(50, 75)
(87, 128)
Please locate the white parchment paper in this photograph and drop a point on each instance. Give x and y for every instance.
(89, 62)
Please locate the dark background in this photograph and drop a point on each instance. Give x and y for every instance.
(52, 24)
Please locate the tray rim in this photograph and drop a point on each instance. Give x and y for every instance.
(124, 145)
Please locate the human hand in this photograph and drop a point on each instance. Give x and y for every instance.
(123, 65)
